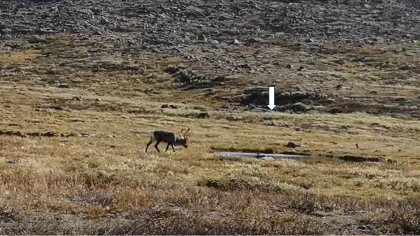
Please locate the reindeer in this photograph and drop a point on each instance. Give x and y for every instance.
(168, 137)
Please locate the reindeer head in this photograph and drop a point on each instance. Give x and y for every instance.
(182, 139)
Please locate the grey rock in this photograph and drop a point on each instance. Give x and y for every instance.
(290, 66)
(236, 42)
(203, 115)
(296, 107)
(292, 145)
(171, 106)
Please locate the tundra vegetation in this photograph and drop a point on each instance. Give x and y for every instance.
(77, 110)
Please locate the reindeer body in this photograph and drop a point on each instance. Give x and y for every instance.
(170, 138)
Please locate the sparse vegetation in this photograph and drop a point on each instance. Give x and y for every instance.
(76, 112)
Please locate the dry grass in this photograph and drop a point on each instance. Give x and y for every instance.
(98, 180)
(19, 56)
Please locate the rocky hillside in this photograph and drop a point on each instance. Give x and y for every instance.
(166, 23)
(327, 47)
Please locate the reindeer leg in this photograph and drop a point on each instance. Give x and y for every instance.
(156, 146)
(173, 148)
(167, 147)
(148, 144)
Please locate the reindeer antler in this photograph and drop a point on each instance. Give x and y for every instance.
(186, 131)
(181, 130)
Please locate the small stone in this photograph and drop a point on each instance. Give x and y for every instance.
(296, 107)
(245, 66)
(214, 42)
(15, 162)
(49, 134)
(401, 99)
(203, 38)
(236, 42)
(171, 69)
(169, 106)
(58, 108)
(63, 86)
(330, 100)
(290, 66)
(292, 145)
(203, 115)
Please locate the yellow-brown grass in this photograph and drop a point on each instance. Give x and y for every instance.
(99, 179)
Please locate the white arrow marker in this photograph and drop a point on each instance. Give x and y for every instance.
(271, 98)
